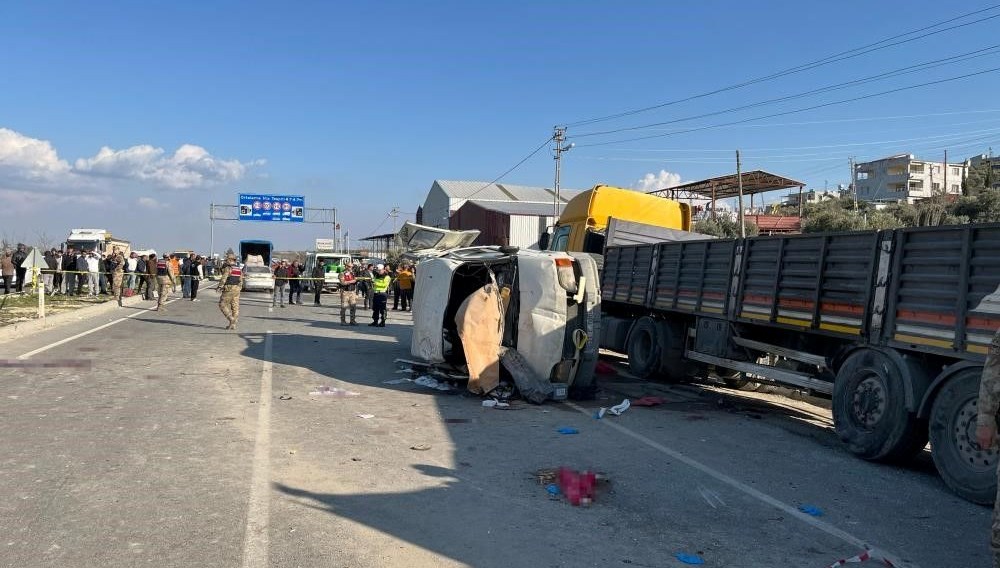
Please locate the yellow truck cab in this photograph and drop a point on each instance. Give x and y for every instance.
(584, 221)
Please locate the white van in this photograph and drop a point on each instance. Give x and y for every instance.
(331, 280)
(552, 317)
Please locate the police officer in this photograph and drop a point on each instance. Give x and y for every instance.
(348, 297)
(164, 280)
(380, 301)
(117, 265)
(229, 290)
(986, 426)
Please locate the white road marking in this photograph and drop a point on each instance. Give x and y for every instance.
(79, 335)
(829, 529)
(255, 542)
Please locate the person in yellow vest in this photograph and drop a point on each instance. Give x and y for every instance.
(229, 291)
(380, 301)
(405, 279)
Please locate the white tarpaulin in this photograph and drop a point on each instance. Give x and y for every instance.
(35, 258)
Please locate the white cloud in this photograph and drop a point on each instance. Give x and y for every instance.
(189, 167)
(26, 158)
(653, 182)
(150, 203)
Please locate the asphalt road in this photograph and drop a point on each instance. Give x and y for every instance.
(164, 440)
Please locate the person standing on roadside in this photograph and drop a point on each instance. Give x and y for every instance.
(57, 279)
(6, 271)
(69, 277)
(986, 427)
(405, 280)
(318, 280)
(150, 276)
(82, 271)
(293, 284)
(280, 280)
(365, 284)
(164, 281)
(48, 271)
(197, 274)
(93, 274)
(229, 291)
(131, 267)
(380, 300)
(185, 272)
(348, 297)
(116, 264)
(18, 258)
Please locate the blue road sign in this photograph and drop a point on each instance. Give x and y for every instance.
(256, 207)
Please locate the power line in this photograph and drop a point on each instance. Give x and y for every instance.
(991, 50)
(512, 168)
(384, 219)
(794, 111)
(849, 54)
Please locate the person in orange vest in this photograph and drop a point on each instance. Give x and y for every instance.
(404, 277)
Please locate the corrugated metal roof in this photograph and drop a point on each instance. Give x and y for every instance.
(539, 209)
(481, 191)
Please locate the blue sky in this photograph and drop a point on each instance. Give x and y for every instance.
(360, 106)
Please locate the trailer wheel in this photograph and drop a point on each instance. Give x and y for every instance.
(644, 348)
(869, 409)
(966, 468)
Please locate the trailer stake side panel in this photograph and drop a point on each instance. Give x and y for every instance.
(820, 283)
(626, 274)
(942, 277)
(694, 276)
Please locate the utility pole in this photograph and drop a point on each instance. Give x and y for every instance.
(559, 136)
(854, 183)
(945, 173)
(739, 177)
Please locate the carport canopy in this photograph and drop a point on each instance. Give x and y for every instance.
(724, 187)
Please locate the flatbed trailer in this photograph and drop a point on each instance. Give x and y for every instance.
(893, 325)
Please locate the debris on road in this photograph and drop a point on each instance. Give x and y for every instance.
(430, 383)
(579, 487)
(616, 410)
(494, 403)
(689, 558)
(868, 554)
(567, 430)
(456, 420)
(285, 397)
(811, 510)
(332, 391)
(420, 447)
(532, 388)
(479, 323)
(648, 401)
(552, 489)
(397, 381)
(365, 416)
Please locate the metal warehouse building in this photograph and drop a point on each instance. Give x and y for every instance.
(512, 223)
(446, 197)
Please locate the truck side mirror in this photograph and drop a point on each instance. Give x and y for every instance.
(543, 241)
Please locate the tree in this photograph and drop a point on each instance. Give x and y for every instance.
(982, 208)
(724, 227)
(980, 177)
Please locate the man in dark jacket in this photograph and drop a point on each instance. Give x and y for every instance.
(294, 284)
(186, 275)
(49, 270)
(69, 275)
(18, 258)
(82, 272)
(150, 276)
(318, 280)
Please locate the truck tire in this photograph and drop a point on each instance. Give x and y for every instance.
(869, 409)
(673, 367)
(644, 348)
(966, 468)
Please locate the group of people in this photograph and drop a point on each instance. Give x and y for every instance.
(11, 271)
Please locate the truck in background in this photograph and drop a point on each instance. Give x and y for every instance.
(583, 224)
(255, 248)
(333, 263)
(893, 325)
(99, 241)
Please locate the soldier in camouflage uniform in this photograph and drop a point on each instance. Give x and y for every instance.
(117, 274)
(986, 426)
(229, 289)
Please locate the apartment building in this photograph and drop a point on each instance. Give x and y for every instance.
(905, 178)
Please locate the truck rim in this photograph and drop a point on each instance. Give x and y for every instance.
(963, 427)
(868, 404)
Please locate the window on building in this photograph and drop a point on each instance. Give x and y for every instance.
(916, 168)
(864, 175)
(917, 184)
(896, 170)
(955, 187)
(935, 169)
(955, 171)
(936, 186)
